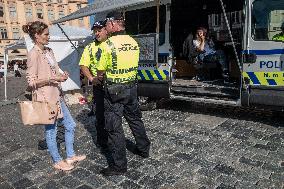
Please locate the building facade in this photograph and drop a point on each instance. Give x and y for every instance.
(15, 13)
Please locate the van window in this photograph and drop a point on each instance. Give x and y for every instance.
(143, 21)
(267, 19)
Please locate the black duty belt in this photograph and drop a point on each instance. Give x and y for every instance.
(131, 83)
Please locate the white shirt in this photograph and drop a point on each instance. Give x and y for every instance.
(50, 59)
(208, 47)
(16, 67)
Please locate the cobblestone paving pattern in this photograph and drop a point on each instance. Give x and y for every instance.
(193, 146)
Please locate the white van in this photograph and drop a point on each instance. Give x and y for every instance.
(243, 29)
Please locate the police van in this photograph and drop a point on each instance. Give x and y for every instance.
(243, 29)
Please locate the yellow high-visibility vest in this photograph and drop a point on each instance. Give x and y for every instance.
(90, 57)
(120, 56)
(278, 37)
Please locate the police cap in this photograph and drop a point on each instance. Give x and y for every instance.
(98, 24)
(114, 15)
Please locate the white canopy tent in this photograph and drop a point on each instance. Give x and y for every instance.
(66, 54)
(102, 7)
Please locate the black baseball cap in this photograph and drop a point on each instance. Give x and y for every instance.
(98, 24)
(114, 15)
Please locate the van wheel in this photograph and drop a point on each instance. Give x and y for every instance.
(147, 104)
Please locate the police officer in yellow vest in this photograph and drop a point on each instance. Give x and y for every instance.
(119, 65)
(88, 64)
(279, 36)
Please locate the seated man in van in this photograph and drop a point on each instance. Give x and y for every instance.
(207, 53)
(279, 36)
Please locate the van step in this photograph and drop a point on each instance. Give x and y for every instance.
(226, 102)
(215, 88)
(206, 91)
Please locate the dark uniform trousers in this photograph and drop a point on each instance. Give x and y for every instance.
(98, 93)
(128, 107)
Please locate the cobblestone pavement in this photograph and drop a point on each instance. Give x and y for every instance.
(193, 146)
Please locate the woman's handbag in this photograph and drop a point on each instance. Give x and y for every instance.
(38, 112)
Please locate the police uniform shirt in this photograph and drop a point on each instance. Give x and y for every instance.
(120, 56)
(278, 37)
(90, 57)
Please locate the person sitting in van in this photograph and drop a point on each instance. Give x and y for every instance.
(279, 36)
(207, 53)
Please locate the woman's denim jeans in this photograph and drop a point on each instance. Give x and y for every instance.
(51, 132)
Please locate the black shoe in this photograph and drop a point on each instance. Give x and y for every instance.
(91, 113)
(102, 147)
(142, 154)
(42, 145)
(110, 171)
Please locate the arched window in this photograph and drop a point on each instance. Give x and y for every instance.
(39, 13)
(16, 33)
(4, 34)
(50, 14)
(12, 11)
(28, 11)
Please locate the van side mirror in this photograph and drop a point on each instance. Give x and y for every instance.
(249, 58)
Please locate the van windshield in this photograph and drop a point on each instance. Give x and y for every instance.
(268, 20)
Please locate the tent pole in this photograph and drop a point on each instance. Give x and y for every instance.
(67, 37)
(5, 72)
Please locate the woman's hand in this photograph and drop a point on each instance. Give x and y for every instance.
(66, 73)
(60, 78)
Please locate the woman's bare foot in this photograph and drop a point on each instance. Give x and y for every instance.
(75, 158)
(63, 166)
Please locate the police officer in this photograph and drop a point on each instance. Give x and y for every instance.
(279, 36)
(88, 64)
(119, 65)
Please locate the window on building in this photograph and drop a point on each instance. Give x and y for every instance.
(81, 20)
(4, 34)
(49, 1)
(39, 13)
(13, 12)
(61, 14)
(29, 12)
(59, 1)
(235, 16)
(16, 33)
(1, 12)
(50, 14)
(78, 6)
(216, 20)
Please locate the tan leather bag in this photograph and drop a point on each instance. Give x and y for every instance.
(38, 113)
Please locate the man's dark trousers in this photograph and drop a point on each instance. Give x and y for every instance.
(98, 93)
(114, 111)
